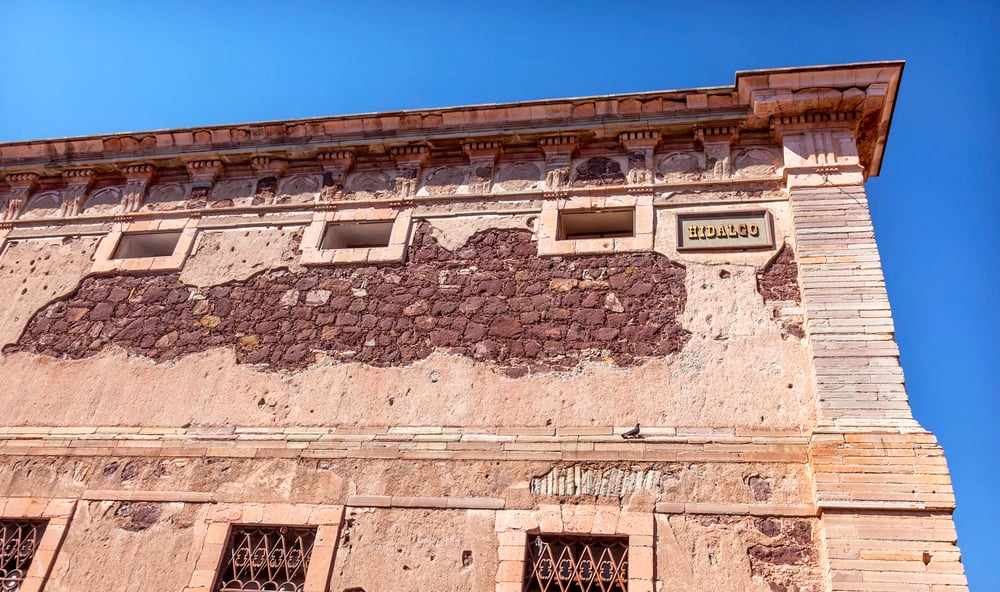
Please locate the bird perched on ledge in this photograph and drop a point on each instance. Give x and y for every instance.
(632, 434)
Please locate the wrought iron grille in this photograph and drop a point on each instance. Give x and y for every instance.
(576, 564)
(266, 558)
(20, 539)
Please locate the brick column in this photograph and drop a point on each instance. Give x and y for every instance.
(881, 481)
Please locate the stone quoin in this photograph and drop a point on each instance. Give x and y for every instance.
(398, 351)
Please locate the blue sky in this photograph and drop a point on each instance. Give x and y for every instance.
(76, 68)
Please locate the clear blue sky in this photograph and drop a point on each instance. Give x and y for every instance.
(75, 68)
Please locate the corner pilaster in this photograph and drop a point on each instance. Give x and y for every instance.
(881, 481)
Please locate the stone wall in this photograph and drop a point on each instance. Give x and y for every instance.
(492, 300)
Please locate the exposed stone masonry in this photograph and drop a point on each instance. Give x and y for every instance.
(779, 280)
(493, 300)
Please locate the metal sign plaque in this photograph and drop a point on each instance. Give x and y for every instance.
(738, 230)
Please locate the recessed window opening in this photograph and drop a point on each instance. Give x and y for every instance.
(356, 235)
(18, 540)
(266, 558)
(147, 244)
(566, 563)
(596, 224)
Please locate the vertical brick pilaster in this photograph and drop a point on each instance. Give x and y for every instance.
(881, 481)
(855, 359)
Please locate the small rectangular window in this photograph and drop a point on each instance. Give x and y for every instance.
(266, 558)
(566, 563)
(136, 245)
(356, 235)
(18, 542)
(576, 225)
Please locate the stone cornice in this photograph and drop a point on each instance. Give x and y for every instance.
(867, 89)
(749, 105)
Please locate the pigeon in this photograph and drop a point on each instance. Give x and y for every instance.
(632, 434)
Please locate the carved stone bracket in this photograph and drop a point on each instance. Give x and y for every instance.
(22, 185)
(640, 147)
(78, 182)
(267, 171)
(265, 166)
(203, 174)
(409, 161)
(335, 165)
(204, 171)
(717, 142)
(558, 153)
(137, 180)
(482, 160)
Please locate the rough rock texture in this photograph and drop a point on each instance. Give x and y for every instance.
(493, 300)
(35, 271)
(416, 550)
(132, 547)
(709, 553)
(780, 278)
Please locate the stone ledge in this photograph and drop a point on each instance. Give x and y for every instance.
(735, 509)
(452, 503)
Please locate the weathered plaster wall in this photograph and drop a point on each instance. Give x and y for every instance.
(708, 553)
(221, 256)
(416, 550)
(36, 271)
(129, 546)
(608, 340)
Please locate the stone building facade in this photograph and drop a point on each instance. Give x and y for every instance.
(408, 351)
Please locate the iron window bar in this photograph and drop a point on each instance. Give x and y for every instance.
(266, 558)
(19, 540)
(576, 564)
